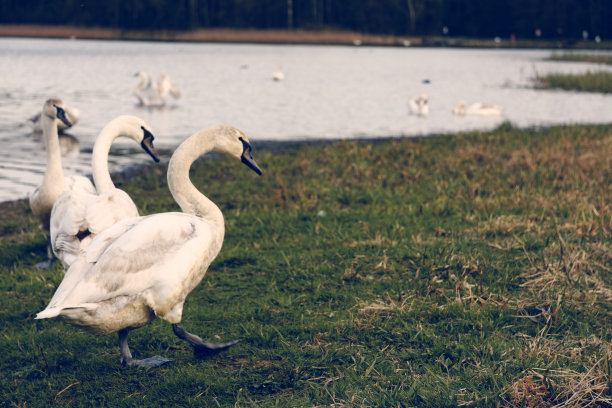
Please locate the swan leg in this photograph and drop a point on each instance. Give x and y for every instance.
(200, 347)
(50, 258)
(126, 355)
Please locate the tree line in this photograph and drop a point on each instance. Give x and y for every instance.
(550, 19)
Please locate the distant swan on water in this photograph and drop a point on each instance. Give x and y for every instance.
(154, 94)
(419, 106)
(278, 74)
(54, 183)
(477, 109)
(78, 215)
(144, 267)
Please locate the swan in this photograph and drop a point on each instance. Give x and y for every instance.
(154, 94)
(419, 106)
(41, 200)
(278, 74)
(72, 114)
(78, 215)
(477, 109)
(144, 267)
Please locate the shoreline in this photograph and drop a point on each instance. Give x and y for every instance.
(129, 173)
(302, 37)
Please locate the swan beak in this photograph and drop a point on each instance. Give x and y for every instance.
(247, 158)
(61, 115)
(147, 144)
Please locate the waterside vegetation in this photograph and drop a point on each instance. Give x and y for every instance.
(457, 270)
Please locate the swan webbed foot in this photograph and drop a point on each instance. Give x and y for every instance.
(208, 349)
(201, 348)
(50, 258)
(150, 362)
(45, 264)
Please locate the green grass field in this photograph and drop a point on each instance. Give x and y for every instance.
(462, 270)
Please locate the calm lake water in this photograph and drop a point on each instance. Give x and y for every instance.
(329, 92)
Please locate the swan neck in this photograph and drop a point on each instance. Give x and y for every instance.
(99, 158)
(188, 197)
(54, 173)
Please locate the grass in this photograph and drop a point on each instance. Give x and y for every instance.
(587, 82)
(582, 57)
(463, 270)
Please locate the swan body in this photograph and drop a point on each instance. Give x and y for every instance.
(78, 214)
(72, 115)
(154, 94)
(419, 106)
(278, 74)
(144, 267)
(477, 109)
(43, 198)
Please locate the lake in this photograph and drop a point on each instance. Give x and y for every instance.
(329, 92)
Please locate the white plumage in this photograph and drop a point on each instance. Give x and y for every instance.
(419, 106)
(477, 109)
(54, 182)
(153, 94)
(79, 214)
(145, 267)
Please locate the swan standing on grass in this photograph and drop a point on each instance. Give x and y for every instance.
(477, 109)
(154, 94)
(144, 267)
(79, 215)
(419, 106)
(54, 183)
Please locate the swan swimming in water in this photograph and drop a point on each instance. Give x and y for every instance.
(54, 183)
(419, 106)
(477, 109)
(154, 94)
(72, 115)
(78, 215)
(278, 74)
(144, 267)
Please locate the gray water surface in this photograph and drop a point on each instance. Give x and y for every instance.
(329, 92)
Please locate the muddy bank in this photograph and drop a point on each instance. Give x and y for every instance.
(323, 37)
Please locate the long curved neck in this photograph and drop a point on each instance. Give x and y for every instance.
(99, 158)
(184, 192)
(54, 174)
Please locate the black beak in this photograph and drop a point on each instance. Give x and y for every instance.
(61, 115)
(147, 144)
(247, 158)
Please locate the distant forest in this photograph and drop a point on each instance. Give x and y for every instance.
(550, 19)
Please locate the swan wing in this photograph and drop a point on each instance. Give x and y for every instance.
(109, 208)
(78, 213)
(158, 259)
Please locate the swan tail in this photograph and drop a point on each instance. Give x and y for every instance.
(48, 313)
(57, 311)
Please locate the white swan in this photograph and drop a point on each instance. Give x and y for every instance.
(278, 74)
(78, 215)
(477, 109)
(72, 114)
(419, 106)
(54, 183)
(144, 267)
(154, 94)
